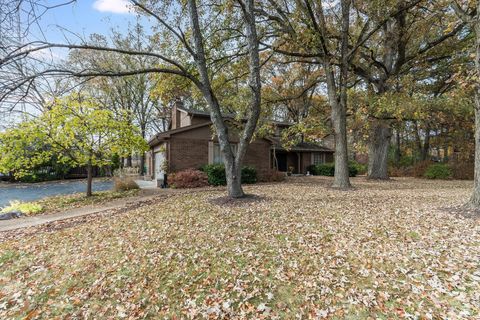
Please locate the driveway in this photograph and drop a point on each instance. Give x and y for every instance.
(37, 191)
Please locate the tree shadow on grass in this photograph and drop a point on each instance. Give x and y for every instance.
(465, 211)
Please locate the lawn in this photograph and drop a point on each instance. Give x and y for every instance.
(386, 250)
(66, 202)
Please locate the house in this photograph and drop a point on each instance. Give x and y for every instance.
(190, 143)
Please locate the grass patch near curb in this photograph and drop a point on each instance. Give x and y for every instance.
(67, 202)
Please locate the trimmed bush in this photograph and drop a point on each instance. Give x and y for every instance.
(215, 174)
(438, 171)
(361, 168)
(189, 178)
(249, 175)
(328, 169)
(124, 184)
(217, 177)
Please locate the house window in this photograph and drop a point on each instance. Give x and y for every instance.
(217, 153)
(318, 158)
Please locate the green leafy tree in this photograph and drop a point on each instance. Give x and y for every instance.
(77, 131)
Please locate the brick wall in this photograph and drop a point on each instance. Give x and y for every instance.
(258, 156)
(187, 153)
(193, 153)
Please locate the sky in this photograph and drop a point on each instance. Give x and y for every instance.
(72, 22)
(82, 18)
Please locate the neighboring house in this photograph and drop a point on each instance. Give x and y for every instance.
(190, 143)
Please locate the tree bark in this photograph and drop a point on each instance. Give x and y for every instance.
(234, 181)
(378, 150)
(398, 150)
(233, 162)
(89, 179)
(339, 110)
(337, 95)
(426, 145)
(129, 161)
(475, 198)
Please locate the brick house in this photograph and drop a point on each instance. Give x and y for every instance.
(190, 143)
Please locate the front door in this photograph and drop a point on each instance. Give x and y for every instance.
(282, 162)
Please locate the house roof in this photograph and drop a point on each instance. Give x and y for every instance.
(195, 112)
(302, 147)
(165, 135)
(206, 114)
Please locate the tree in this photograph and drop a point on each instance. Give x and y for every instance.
(130, 93)
(471, 16)
(410, 39)
(213, 37)
(77, 131)
(305, 33)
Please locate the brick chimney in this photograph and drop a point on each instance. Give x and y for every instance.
(176, 113)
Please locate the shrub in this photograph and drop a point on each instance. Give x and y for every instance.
(420, 168)
(124, 184)
(463, 171)
(23, 207)
(216, 174)
(361, 168)
(189, 178)
(438, 171)
(328, 169)
(312, 169)
(217, 177)
(249, 175)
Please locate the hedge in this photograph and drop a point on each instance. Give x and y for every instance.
(328, 169)
(217, 177)
(438, 171)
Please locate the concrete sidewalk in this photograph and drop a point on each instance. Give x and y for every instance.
(26, 222)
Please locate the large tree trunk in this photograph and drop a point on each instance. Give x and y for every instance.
(233, 162)
(341, 177)
(378, 150)
(337, 96)
(339, 110)
(475, 198)
(426, 145)
(89, 179)
(234, 181)
(129, 161)
(398, 150)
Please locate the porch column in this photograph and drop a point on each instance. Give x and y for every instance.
(299, 162)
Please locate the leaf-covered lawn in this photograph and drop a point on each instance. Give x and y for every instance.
(76, 200)
(385, 250)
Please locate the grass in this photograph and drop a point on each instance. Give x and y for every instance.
(385, 250)
(66, 202)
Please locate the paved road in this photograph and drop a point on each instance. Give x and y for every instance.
(37, 191)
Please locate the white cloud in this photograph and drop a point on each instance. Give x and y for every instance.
(113, 6)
